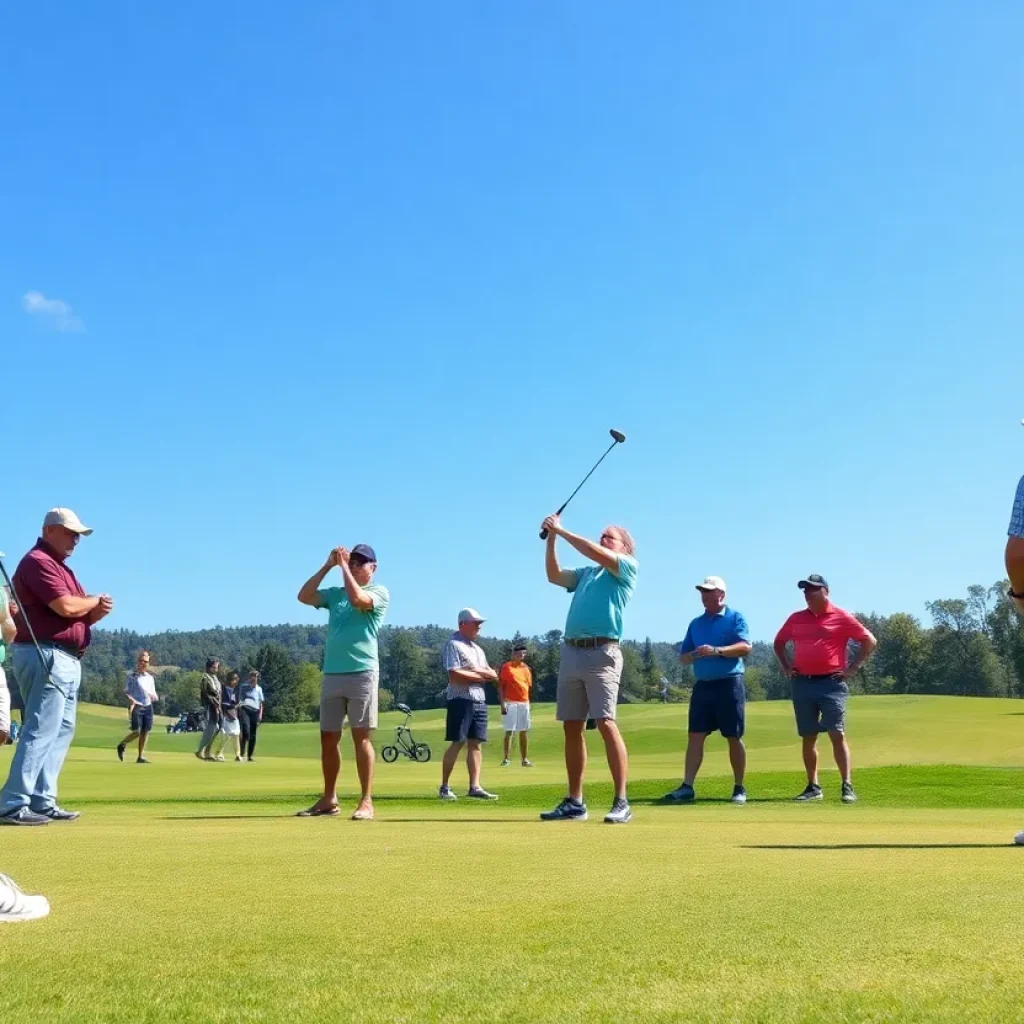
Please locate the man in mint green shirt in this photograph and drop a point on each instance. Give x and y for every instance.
(351, 672)
(590, 666)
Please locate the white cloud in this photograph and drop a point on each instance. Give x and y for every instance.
(56, 312)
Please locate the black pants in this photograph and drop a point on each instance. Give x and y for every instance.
(249, 720)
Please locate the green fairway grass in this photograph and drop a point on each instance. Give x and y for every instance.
(188, 891)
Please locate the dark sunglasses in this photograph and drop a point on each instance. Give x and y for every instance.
(357, 562)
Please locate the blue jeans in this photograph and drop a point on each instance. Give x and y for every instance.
(49, 724)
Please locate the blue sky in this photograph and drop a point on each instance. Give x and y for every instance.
(273, 280)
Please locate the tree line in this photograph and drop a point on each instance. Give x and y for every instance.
(973, 646)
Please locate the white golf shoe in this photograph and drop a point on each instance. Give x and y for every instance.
(1019, 838)
(17, 906)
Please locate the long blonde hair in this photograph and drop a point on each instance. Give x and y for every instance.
(626, 537)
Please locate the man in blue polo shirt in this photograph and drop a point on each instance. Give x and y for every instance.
(715, 645)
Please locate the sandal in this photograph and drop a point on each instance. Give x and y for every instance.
(316, 811)
(362, 814)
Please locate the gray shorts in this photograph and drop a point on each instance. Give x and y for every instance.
(819, 703)
(588, 682)
(351, 695)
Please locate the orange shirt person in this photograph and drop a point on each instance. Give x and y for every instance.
(514, 682)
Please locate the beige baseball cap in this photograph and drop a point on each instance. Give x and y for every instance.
(66, 518)
(712, 583)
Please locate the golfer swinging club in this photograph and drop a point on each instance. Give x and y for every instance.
(590, 666)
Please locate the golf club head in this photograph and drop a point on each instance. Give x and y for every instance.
(619, 436)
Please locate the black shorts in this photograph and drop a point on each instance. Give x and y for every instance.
(465, 720)
(719, 705)
(142, 719)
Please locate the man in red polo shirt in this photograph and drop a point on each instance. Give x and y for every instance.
(819, 671)
(60, 614)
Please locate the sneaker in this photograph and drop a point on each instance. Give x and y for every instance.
(567, 810)
(849, 797)
(17, 906)
(120, 751)
(682, 794)
(219, 757)
(739, 795)
(481, 794)
(505, 763)
(445, 793)
(56, 813)
(527, 763)
(239, 758)
(812, 792)
(620, 812)
(251, 759)
(23, 816)
(142, 760)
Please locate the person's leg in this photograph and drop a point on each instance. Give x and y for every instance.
(210, 729)
(43, 708)
(451, 755)
(254, 725)
(508, 745)
(737, 758)
(841, 750)
(575, 757)
(473, 759)
(67, 674)
(810, 754)
(615, 751)
(243, 727)
(130, 738)
(330, 767)
(5, 709)
(524, 744)
(143, 738)
(363, 745)
(694, 756)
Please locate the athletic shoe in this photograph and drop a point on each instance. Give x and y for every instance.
(567, 810)
(251, 759)
(17, 906)
(849, 797)
(23, 816)
(481, 794)
(505, 763)
(739, 795)
(219, 757)
(120, 751)
(1019, 838)
(56, 813)
(239, 758)
(141, 760)
(620, 812)
(812, 792)
(682, 794)
(527, 763)
(445, 793)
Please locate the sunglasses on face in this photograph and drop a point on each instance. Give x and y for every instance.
(357, 563)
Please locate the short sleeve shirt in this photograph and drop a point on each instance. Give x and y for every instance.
(40, 578)
(515, 681)
(599, 598)
(726, 628)
(351, 632)
(462, 653)
(250, 695)
(819, 641)
(141, 687)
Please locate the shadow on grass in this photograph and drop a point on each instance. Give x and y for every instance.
(883, 846)
(340, 817)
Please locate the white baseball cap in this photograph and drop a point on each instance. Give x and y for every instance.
(470, 615)
(712, 583)
(66, 518)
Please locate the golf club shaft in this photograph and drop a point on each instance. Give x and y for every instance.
(28, 625)
(544, 533)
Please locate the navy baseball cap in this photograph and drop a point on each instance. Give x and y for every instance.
(365, 552)
(814, 580)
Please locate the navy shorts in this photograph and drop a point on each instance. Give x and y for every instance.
(142, 719)
(466, 720)
(719, 705)
(819, 703)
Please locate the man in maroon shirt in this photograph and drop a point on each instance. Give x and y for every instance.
(60, 613)
(819, 671)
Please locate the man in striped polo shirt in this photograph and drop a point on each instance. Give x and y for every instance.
(466, 717)
(820, 635)
(1015, 550)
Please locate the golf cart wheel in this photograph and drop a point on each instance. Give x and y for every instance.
(421, 752)
(389, 754)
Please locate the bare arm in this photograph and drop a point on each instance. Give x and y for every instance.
(357, 597)
(462, 676)
(101, 611)
(602, 556)
(71, 607)
(8, 630)
(867, 648)
(783, 659)
(308, 592)
(556, 574)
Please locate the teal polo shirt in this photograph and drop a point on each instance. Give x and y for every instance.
(351, 633)
(599, 598)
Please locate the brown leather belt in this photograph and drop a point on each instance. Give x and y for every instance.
(590, 641)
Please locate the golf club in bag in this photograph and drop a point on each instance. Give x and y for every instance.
(617, 438)
(47, 667)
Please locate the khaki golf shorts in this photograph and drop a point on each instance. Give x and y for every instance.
(588, 682)
(351, 695)
(5, 704)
